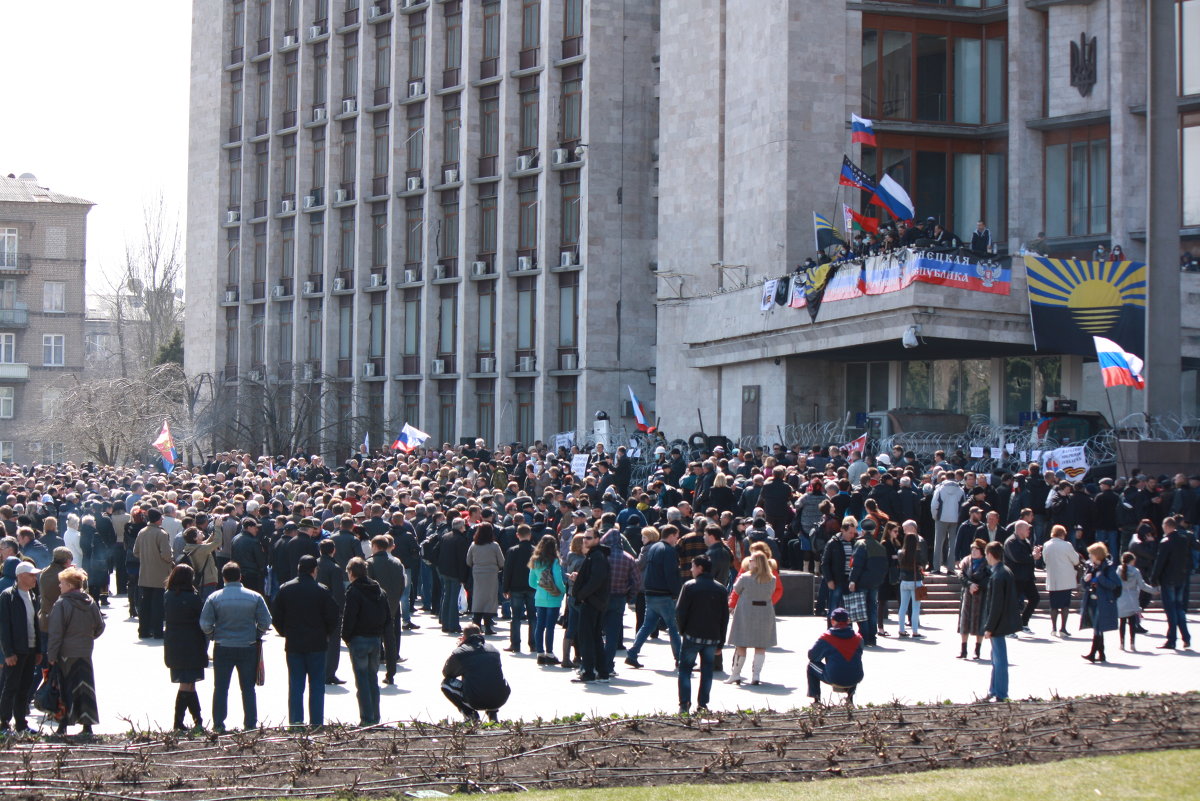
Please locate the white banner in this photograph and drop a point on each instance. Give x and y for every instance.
(579, 464)
(1071, 460)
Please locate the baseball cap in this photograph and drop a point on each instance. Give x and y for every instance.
(26, 567)
(840, 615)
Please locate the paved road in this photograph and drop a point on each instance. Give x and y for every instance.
(133, 683)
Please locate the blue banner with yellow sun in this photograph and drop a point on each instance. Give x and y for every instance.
(1071, 301)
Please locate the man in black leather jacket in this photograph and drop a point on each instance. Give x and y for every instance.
(473, 678)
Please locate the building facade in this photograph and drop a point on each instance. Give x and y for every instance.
(43, 237)
(1030, 116)
(424, 211)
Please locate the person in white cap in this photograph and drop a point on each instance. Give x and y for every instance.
(20, 647)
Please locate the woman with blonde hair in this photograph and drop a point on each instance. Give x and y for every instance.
(75, 623)
(753, 618)
(1100, 586)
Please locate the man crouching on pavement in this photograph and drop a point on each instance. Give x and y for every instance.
(472, 677)
(836, 658)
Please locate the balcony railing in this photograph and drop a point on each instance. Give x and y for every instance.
(10, 260)
(14, 371)
(16, 317)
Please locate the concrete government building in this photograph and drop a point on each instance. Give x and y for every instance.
(980, 111)
(43, 237)
(439, 212)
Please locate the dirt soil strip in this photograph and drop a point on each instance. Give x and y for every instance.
(597, 752)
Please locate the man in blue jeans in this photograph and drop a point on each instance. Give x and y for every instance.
(367, 614)
(624, 583)
(660, 582)
(307, 616)
(702, 613)
(1001, 617)
(235, 619)
(1170, 574)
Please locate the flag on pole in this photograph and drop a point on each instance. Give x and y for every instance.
(865, 223)
(639, 413)
(853, 175)
(862, 130)
(858, 445)
(366, 444)
(892, 197)
(1118, 368)
(410, 439)
(825, 233)
(165, 445)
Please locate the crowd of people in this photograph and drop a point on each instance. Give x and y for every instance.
(223, 553)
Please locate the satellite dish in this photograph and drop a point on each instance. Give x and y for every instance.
(28, 176)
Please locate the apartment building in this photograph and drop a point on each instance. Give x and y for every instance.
(439, 212)
(43, 237)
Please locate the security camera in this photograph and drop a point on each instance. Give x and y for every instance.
(909, 340)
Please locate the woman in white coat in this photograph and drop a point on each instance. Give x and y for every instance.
(1062, 577)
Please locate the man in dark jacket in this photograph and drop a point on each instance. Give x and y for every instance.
(836, 657)
(1019, 557)
(20, 647)
(589, 593)
(388, 571)
(452, 568)
(472, 677)
(702, 613)
(1001, 617)
(249, 554)
(660, 583)
(307, 617)
(514, 583)
(408, 550)
(332, 578)
(868, 571)
(1170, 574)
(1108, 527)
(363, 623)
(718, 554)
(302, 544)
(835, 562)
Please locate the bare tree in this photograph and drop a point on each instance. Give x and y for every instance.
(143, 299)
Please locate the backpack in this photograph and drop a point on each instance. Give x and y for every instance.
(546, 581)
(197, 574)
(430, 548)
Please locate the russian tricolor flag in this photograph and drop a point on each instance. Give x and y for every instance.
(862, 131)
(640, 413)
(165, 445)
(1118, 368)
(410, 439)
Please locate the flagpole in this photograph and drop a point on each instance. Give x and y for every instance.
(1113, 419)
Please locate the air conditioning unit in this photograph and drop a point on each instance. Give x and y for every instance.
(339, 284)
(450, 177)
(340, 196)
(378, 279)
(410, 3)
(416, 88)
(232, 216)
(315, 31)
(524, 163)
(410, 276)
(558, 155)
(524, 263)
(525, 364)
(254, 375)
(439, 366)
(289, 40)
(570, 361)
(479, 268)
(567, 258)
(310, 201)
(287, 206)
(349, 105)
(414, 183)
(310, 287)
(487, 365)
(374, 12)
(439, 272)
(231, 295)
(319, 114)
(278, 291)
(369, 369)
(309, 372)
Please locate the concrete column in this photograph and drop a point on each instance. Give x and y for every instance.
(1162, 226)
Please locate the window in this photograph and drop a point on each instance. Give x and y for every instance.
(287, 248)
(378, 326)
(316, 246)
(379, 236)
(572, 20)
(8, 399)
(448, 236)
(866, 390)
(1188, 26)
(527, 138)
(413, 229)
(415, 144)
(527, 223)
(948, 385)
(382, 146)
(291, 87)
(345, 327)
(572, 105)
(313, 318)
(320, 74)
(6, 451)
(283, 332)
(1027, 380)
(350, 67)
(526, 314)
(55, 452)
(524, 390)
(260, 253)
(486, 318)
(567, 403)
(453, 42)
(258, 337)
(8, 247)
(416, 47)
(531, 24)
(8, 348)
(485, 408)
(349, 154)
(289, 166)
(318, 164)
(54, 296)
(489, 125)
(346, 240)
(451, 125)
(383, 60)
(410, 402)
(487, 219)
(233, 257)
(491, 29)
(570, 207)
(411, 344)
(8, 293)
(568, 310)
(53, 350)
(1189, 159)
(235, 177)
(447, 320)
(1076, 181)
(239, 31)
(446, 410)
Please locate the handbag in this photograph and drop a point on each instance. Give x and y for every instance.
(260, 675)
(920, 592)
(855, 604)
(48, 697)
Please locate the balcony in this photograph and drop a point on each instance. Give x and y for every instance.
(15, 317)
(13, 262)
(12, 371)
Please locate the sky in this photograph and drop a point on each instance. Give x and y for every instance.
(96, 106)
